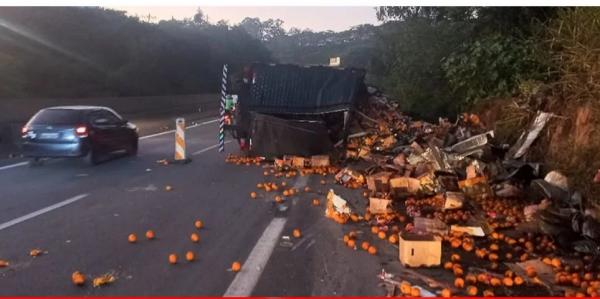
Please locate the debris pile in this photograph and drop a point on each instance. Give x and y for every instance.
(452, 197)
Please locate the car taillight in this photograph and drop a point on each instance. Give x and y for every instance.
(81, 131)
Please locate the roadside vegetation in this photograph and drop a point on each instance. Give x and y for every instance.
(87, 51)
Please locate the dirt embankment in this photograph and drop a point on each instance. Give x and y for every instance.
(569, 143)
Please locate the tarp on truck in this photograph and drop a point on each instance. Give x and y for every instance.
(274, 137)
(292, 89)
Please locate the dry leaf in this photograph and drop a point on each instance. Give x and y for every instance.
(36, 252)
(104, 279)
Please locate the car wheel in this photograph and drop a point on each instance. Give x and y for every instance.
(92, 157)
(133, 148)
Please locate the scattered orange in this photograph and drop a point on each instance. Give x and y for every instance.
(150, 234)
(495, 282)
(459, 283)
(195, 237)
(351, 243)
(236, 266)
(446, 293)
(488, 293)
(393, 239)
(415, 292)
(381, 235)
(316, 202)
(518, 280)
(372, 250)
(198, 224)
(189, 256)
(296, 233)
(374, 229)
(472, 291)
(455, 257)
(448, 265)
(78, 278)
(253, 195)
(530, 271)
(172, 259)
(131, 238)
(365, 245)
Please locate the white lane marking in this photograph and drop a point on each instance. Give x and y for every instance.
(244, 282)
(173, 131)
(42, 211)
(14, 165)
(141, 138)
(208, 148)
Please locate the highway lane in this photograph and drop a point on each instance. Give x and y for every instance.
(24, 189)
(90, 234)
(122, 197)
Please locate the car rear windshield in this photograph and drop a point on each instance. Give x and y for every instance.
(57, 117)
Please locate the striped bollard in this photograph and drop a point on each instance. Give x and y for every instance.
(222, 118)
(180, 156)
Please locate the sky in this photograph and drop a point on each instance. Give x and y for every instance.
(315, 18)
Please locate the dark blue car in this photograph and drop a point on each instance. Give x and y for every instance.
(78, 131)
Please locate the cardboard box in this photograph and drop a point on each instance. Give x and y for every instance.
(420, 250)
(378, 205)
(453, 200)
(299, 162)
(287, 160)
(279, 163)
(379, 182)
(405, 184)
(319, 161)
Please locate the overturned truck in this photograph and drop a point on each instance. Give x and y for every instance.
(290, 109)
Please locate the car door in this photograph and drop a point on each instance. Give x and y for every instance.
(104, 131)
(121, 132)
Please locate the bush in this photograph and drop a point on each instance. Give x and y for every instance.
(493, 66)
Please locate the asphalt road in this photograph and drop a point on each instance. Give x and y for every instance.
(82, 215)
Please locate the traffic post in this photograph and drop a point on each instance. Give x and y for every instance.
(180, 154)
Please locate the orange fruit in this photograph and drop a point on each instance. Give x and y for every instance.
(198, 224)
(172, 259)
(150, 234)
(374, 229)
(316, 202)
(296, 233)
(365, 245)
(131, 238)
(446, 293)
(381, 235)
(236, 266)
(189, 256)
(393, 239)
(459, 283)
(253, 195)
(195, 237)
(372, 250)
(415, 292)
(78, 278)
(351, 243)
(472, 291)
